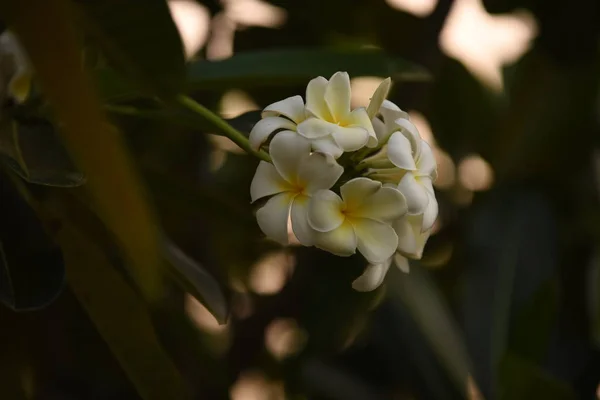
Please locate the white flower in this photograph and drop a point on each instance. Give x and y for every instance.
(285, 114)
(333, 127)
(16, 67)
(360, 218)
(294, 176)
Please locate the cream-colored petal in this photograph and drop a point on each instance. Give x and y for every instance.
(412, 134)
(386, 204)
(287, 148)
(426, 163)
(407, 235)
(292, 108)
(267, 182)
(380, 130)
(315, 98)
(373, 277)
(272, 218)
(337, 96)
(318, 171)
(391, 112)
(350, 139)
(328, 146)
(430, 214)
(325, 211)
(356, 190)
(378, 97)
(399, 152)
(314, 128)
(414, 193)
(376, 240)
(341, 241)
(402, 263)
(359, 118)
(265, 127)
(299, 215)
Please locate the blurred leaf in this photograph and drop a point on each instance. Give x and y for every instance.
(143, 44)
(521, 379)
(45, 30)
(278, 67)
(35, 153)
(32, 272)
(195, 279)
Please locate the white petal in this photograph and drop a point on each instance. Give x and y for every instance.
(400, 152)
(325, 211)
(373, 277)
(378, 97)
(359, 118)
(391, 112)
(267, 182)
(265, 127)
(402, 263)
(407, 235)
(430, 214)
(272, 218)
(318, 171)
(380, 130)
(426, 161)
(328, 146)
(412, 134)
(385, 205)
(341, 241)
(350, 139)
(287, 149)
(299, 214)
(414, 192)
(315, 98)
(356, 190)
(376, 240)
(337, 96)
(314, 128)
(292, 107)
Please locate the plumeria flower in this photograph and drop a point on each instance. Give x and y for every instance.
(295, 175)
(334, 128)
(285, 114)
(360, 218)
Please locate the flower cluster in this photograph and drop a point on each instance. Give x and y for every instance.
(347, 179)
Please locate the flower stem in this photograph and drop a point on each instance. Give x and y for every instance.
(222, 126)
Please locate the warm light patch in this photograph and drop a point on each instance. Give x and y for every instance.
(255, 13)
(201, 317)
(418, 8)
(475, 173)
(192, 20)
(484, 43)
(445, 169)
(254, 385)
(269, 274)
(283, 338)
(362, 88)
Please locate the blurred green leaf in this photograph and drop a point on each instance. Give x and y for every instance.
(144, 45)
(277, 67)
(36, 154)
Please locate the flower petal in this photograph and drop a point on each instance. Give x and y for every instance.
(391, 112)
(299, 214)
(325, 211)
(318, 171)
(409, 130)
(272, 218)
(328, 146)
(314, 128)
(356, 190)
(426, 163)
(360, 118)
(315, 98)
(341, 241)
(385, 205)
(414, 192)
(376, 240)
(265, 127)
(407, 235)
(350, 138)
(400, 152)
(430, 214)
(267, 182)
(402, 263)
(373, 277)
(292, 108)
(380, 130)
(337, 96)
(287, 148)
(379, 96)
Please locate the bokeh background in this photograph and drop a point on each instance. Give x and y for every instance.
(505, 303)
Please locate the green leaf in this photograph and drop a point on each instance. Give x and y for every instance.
(36, 154)
(276, 68)
(140, 40)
